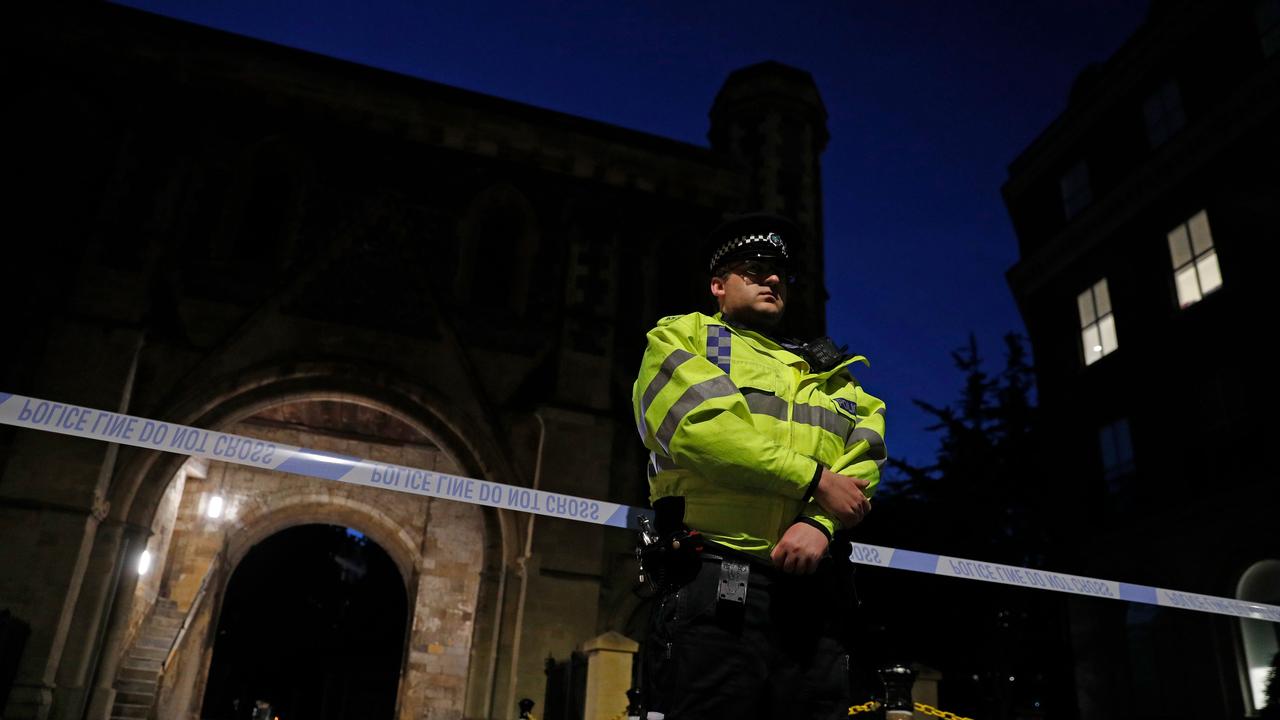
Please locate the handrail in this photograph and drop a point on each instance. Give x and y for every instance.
(191, 613)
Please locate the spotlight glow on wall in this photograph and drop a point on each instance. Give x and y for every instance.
(215, 506)
(144, 562)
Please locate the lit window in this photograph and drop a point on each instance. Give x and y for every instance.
(1195, 262)
(1267, 15)
(1163, 113)
(1076, 194)
(1097, 322)
(1117, 453)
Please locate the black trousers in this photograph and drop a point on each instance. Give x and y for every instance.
(782, 655)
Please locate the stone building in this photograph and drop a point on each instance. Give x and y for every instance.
(224, 233)
(1148, 216)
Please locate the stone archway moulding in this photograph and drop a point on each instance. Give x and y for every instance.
(287, 510)
(136, 492)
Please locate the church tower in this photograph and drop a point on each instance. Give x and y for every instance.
(769, 118)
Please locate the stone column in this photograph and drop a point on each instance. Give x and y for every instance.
(609, 660)
(51, 503)
(89, 623)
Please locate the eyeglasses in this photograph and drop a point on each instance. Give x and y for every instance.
(759, 270)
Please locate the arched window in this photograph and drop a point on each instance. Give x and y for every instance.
(1261, 639)
(500, 236)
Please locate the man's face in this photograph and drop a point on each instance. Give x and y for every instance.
(752, 292)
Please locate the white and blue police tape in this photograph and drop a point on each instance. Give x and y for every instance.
(1058, 582)
(155, 435)
(34, 414)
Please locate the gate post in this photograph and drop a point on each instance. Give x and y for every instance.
(609, 660)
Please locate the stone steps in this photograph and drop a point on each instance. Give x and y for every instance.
(143, 687)
(122, 711)
(137, 681)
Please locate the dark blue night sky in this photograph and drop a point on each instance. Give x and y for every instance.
(928, 102)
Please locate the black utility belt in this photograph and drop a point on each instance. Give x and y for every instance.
(715, 552)
(737, 570)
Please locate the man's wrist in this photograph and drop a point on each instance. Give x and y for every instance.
(813, 484)
(813, 523)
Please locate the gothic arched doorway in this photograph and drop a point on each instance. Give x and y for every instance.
(312, 625)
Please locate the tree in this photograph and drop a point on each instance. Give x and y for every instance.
(978, 495)
(977, 500)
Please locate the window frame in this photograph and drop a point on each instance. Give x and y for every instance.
(1163, 113)
(1188, 261)
(1076, 190)
(1110, 435)
(1102, 322)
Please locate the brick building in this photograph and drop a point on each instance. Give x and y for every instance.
(220, 232)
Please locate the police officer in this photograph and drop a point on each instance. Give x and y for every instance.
(765, 449)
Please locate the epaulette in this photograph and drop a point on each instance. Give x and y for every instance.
(673, 318)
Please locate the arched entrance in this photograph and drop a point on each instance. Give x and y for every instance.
(312, 625)
(443, 552)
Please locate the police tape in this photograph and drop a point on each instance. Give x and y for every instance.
(955, 567)
(77, 421)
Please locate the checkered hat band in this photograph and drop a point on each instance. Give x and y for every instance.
(768, 240)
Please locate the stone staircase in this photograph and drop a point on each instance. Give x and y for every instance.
(139, 674)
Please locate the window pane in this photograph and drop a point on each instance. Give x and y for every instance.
(1124, 446)
(1210, 277)
(1075, 190)
(1179, 246)
(1153, 112)
(1084, 305)
(1175, 119)
(1188, 288)
(1107, 328)
(1102, 297)
(1201, 240)
(1162, 111)
(1092, 344)
(1267, 14)
(1107, 440)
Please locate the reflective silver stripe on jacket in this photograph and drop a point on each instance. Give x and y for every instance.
(677, 358)
(876, 450)
(764, 402)
(695, 395)
(829, 420)
(659, 463)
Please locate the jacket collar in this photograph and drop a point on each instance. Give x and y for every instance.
(778, 348)
(761, 342)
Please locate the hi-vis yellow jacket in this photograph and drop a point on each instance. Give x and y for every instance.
(737, 425)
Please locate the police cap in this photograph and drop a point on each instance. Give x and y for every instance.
(758, 235)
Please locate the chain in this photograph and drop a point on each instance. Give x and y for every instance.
(935, 712)
(920, 707)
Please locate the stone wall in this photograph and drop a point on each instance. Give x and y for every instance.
(437, 544)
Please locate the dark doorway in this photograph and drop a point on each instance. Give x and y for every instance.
(312, 626)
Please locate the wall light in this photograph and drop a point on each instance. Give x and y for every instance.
(215, 506)
(144, 562)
